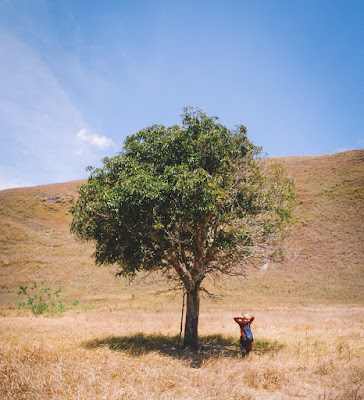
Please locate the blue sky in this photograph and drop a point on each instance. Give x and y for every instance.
(77, 77)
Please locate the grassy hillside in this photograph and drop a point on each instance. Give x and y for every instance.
(126, 348)
(324, 254)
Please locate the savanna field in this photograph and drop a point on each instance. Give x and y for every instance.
(118, 340)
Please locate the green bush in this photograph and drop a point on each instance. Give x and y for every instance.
(39, 299)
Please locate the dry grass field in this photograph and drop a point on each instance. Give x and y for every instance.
(300, 353)
(120, 341)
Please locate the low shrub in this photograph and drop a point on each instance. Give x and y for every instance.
(39, 299)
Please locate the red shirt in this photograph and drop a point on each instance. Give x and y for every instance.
(243, 324)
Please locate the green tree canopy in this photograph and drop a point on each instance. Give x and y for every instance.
(188, 201)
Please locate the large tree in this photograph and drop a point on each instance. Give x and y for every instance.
(188, 201)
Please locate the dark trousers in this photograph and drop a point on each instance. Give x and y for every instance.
(246, 346)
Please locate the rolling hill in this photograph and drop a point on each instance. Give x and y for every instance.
(324, 260)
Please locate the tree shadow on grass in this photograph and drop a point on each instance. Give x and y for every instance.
(211, 346)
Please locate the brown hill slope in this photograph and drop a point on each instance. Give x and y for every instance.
(325, 252)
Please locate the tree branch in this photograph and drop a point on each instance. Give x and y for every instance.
(181, 271)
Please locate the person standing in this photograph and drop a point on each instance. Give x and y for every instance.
(246, 337)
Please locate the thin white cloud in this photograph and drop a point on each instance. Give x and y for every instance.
(10, 184)
(342, 149)
(358, 145)
(9, 179)
(93, 139)
(38, 121)
(5, 184)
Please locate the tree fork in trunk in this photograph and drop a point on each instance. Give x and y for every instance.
(191, 324)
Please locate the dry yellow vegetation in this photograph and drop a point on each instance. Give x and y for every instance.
(300, 353)
(120, 343)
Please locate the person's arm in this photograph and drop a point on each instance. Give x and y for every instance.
(251, 320)
(238, 320)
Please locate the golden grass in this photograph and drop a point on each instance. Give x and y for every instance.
(305, 353)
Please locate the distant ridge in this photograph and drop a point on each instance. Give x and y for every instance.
(324, 254)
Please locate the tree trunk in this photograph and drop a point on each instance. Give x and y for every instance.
(191, 325)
